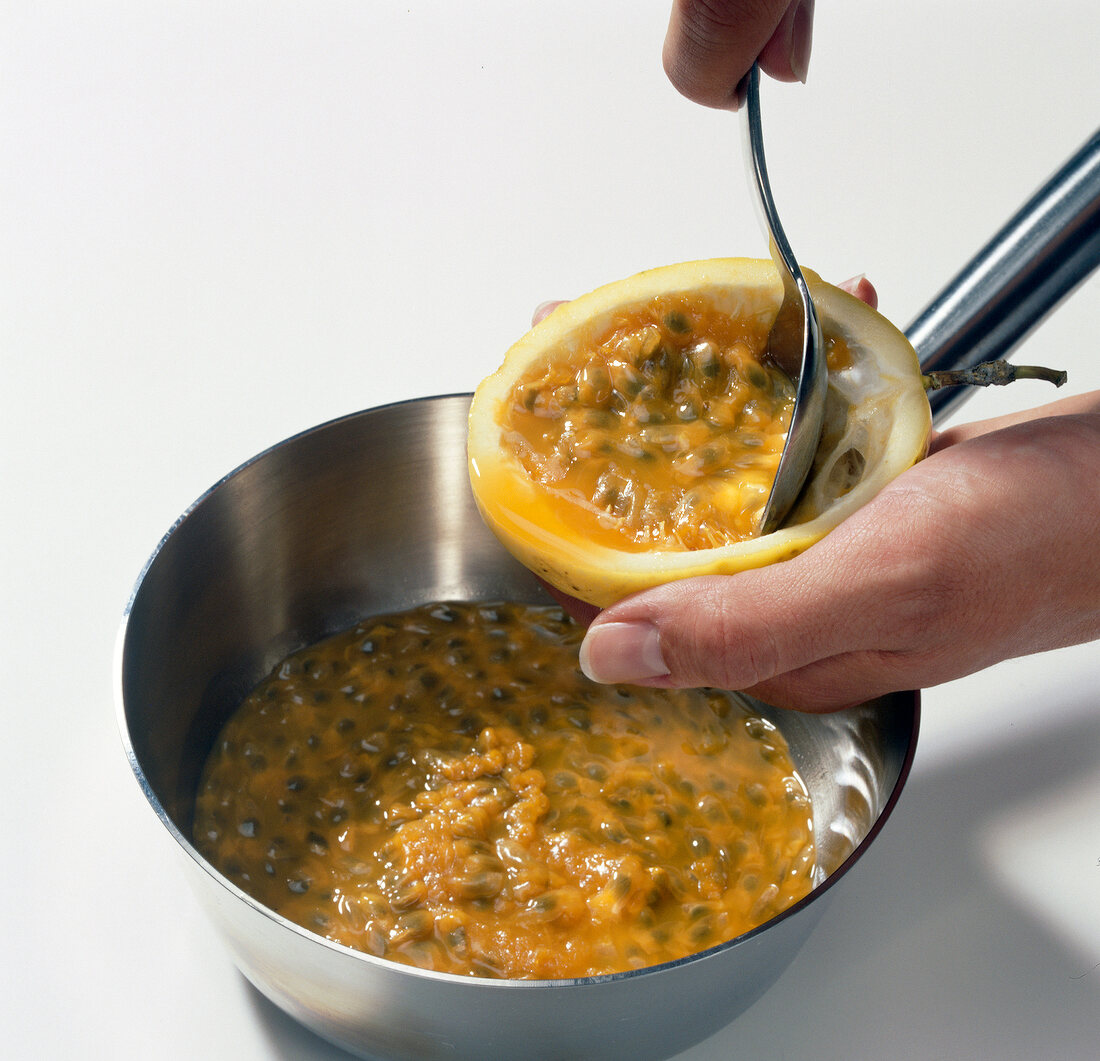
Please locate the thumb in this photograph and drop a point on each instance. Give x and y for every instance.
(730, 632)
(838, 624)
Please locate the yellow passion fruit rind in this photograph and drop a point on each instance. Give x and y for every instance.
(878, 423)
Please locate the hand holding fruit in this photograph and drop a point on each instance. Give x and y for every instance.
(983, 551)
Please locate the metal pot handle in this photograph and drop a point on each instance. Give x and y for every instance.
(1049, 247)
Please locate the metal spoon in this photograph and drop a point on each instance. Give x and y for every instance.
(795, 342)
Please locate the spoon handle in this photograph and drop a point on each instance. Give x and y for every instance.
(795, 343)
(1049, 247)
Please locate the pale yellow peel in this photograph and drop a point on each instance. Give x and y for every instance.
(878, 411)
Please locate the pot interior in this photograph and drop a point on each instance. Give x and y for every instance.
(369, 514)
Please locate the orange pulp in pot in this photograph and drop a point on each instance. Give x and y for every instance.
(444, 788)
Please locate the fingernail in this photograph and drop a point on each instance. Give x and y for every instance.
(802, 35)
(862, 288)
(622, 652)
(543, 310)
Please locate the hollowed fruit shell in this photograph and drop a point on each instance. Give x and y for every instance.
(877, 424)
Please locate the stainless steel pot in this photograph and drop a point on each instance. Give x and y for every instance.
(373, 513)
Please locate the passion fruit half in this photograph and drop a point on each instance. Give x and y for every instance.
(632, 436)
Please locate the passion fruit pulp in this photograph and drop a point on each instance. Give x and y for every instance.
(631, 437)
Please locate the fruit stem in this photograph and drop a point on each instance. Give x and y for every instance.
(990, 374)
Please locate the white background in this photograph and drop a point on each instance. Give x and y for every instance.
(221, 223)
